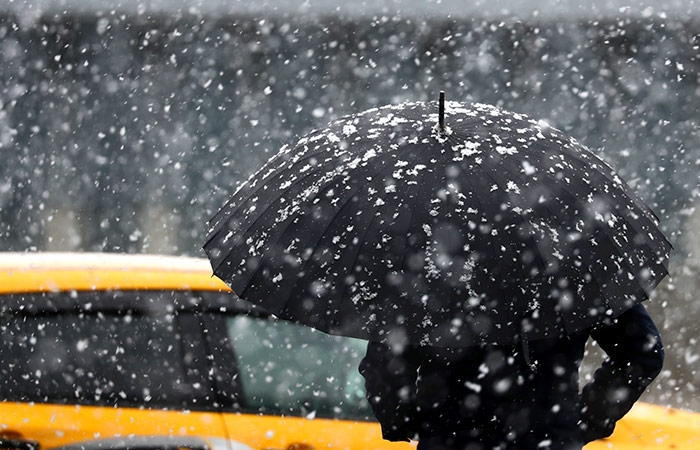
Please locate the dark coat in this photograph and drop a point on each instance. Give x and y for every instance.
(512, 397)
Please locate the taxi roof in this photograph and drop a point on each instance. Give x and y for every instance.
(56, 271)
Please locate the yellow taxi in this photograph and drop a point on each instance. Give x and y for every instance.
(145, 351)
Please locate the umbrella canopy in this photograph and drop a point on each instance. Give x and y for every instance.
(438, 224)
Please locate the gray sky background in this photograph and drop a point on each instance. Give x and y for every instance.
(419, 8)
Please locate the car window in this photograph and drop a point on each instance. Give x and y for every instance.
(130, 358)
(289, 369)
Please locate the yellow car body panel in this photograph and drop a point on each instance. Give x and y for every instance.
(270, 432)
(56, 425)
(52, 272)
(645, 427)
(648, 427)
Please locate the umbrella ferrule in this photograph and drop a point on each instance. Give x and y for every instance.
(441, 112)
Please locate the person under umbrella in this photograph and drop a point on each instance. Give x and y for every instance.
(476, 250)
(498, 397)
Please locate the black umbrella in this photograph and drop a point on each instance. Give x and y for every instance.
(440, 226)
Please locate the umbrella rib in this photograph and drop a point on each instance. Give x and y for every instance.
(410, 225)
(226, 211)
(575, 201)
(530, 225)
(359, 248)
(576, 152)
(321, 236)
(596, 267)
(262, 211)
(367, 230)
(311, 153)
(523, 219)
(490, 176)
(363, 242)
(350, 196)
(633, 198)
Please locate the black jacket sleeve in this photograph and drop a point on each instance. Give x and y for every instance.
(634, 358)
(390, 380)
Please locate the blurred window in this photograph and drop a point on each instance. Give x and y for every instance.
(110, 358)
(284, 368)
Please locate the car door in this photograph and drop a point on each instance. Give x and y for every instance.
(282, 385)
(86, 365)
